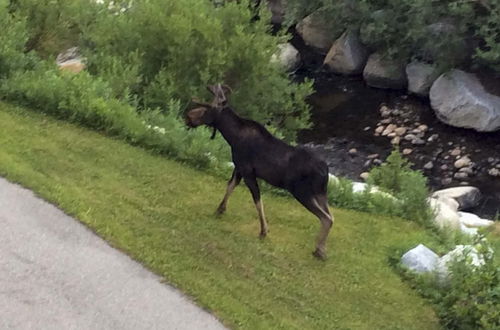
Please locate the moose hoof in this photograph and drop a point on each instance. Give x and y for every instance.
(319, 254)
(220, 211)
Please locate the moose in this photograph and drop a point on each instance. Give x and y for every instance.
(256, 153)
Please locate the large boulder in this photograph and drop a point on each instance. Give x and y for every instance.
(348, 55)
(420, 77)
(277, 8)
(420, 259)
(454, 50)
(446, 215)
(287, 56)
(459, 99)
(70, 60)
(384, 73)
(466, 196)
(315, 32)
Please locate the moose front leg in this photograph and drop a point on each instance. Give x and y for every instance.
(233, 182)
(252, 184)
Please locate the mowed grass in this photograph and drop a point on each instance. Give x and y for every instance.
(161, 213)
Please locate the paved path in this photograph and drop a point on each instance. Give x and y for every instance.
(56, 274)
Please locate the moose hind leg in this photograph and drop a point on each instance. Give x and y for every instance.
(233, 182)
(252, 184)
(317, 205)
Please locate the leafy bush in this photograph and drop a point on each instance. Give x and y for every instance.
(396, 177)
(13, 38)
(89, 101)
(179, 51)
(470, 299)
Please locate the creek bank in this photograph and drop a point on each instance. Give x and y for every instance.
(346, 114)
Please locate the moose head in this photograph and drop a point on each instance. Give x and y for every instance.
(206, 113)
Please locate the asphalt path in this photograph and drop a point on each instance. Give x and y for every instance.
(57, 274)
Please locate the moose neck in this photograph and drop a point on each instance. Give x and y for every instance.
(228, 123)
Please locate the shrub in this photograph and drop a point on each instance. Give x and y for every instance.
(13, 38)
(179, 51)
(471, 297)
(396, 177)
(89, 101)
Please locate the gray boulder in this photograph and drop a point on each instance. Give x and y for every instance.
(420, 77)
(315, 32)
(459, 99)
(420, 259)
(287, 56)
(466, 196)
(71, 60)
(384, 73)
(348, 55)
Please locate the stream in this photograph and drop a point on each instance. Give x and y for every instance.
(346, 113)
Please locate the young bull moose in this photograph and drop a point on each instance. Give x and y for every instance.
(258, 154)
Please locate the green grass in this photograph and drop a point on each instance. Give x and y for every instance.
(160, 212)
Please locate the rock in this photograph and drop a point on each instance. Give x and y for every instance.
(455, 152)
(462, 162)
(420, 77)
(410, 137)
(386, 121)
(423, 128)
(348, 55)
(396, 140)
(400, 131)
(364, 175)
(456, 50)
(429, 166)
(446, 181)
(459, 99)
(417, 141)
(379, 129)
(277, 8)
(352, 151)
(372, 156)
(494, 172)
(444, 167)
(420, 259)
(472, 220)
(287, 56)
(461, 176)
(433, 138)
(315, 32)
(467, 230)
(467, 197)
(467, 170)
(467, 253)
(70, 60)
(407, 151)
(446, 216)
(384, 73)
(367, 128)
(389, 129)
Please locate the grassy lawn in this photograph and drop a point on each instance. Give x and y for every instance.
(160, 212)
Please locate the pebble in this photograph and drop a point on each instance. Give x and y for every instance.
(446, 181)
(494, 172)
(364, 175)
(462, 162)
(367, 128)
(391, 135)
(372, 156)
(353, 151)
(386, 121)
(407, 151)
(377, 162)
(396, 140)
(461, 176)
(400, 131)
(455, 152)
(418, 141)
(467, 170)
(410, 137)
(433, 138)
(389, 129)
(491, 160)
(444, 167)
(423, 128)
(379, 129)
(429, 166)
